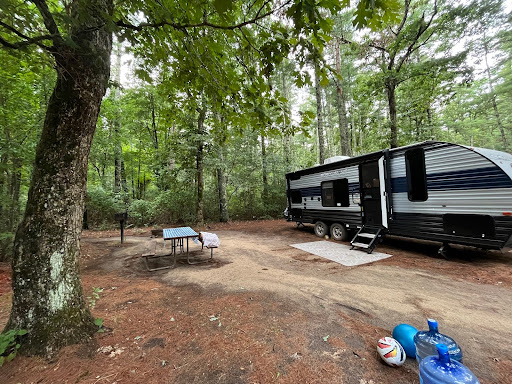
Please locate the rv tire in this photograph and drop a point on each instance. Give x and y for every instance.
(339, 232)
(321, 229)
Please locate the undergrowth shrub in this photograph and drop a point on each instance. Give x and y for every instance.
(140, 212)
(102, 206)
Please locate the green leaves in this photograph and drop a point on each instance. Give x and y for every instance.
(222, 6)
(375, 14)
(9, 344)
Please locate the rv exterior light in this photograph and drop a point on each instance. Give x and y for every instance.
(507, 213)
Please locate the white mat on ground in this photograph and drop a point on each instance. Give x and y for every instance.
(340, 253)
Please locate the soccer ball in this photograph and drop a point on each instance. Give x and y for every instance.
(391, 351)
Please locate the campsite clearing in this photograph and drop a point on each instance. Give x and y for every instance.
(262, 311)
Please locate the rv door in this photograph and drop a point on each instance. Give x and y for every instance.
(373, 193)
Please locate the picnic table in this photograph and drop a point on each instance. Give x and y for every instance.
(177, 235)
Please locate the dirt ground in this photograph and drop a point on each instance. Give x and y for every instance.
(262, 311)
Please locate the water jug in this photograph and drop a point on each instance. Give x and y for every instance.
(425, 342)
(441, 369)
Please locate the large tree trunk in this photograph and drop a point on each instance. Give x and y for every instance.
(48, 299)
(319, 117)
(390, 89)
(342, 110)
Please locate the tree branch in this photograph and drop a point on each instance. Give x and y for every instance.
(344, 40)
(21, 44)
(48, 19)
(421, 30)
(204, 23)
(404, 19)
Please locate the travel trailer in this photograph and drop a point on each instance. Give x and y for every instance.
(433, 190)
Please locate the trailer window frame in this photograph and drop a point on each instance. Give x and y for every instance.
(295, 196)
(335, 193)
(416, 175)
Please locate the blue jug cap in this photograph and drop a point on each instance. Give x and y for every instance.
(432, 324)
(444, 355)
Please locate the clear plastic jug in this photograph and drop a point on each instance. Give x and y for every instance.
(441, 369)
(426, 341)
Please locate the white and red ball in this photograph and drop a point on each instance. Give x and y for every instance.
(391, 351)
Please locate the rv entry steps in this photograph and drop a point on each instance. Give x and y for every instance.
(367, 238)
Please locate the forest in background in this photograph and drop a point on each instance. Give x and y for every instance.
(192, 132)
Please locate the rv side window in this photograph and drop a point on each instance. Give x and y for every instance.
(416, 175)
(296, 196)
(335, 193)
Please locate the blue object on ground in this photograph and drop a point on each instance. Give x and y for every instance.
(441, 369)
(404, 334)
(425, 342)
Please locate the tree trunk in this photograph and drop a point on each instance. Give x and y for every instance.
(48, 299)
(223, 197)
(342, 110)
(117, 168)
(222, 179)
(390, 89)
(118, 149)
(124, 185)
(329, 136)
(200, 165)
(264, 172)
(493, 98)
(286, 121)
(319, 117)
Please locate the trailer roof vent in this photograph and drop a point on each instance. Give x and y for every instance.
(335, 159)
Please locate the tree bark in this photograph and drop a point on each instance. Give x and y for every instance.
(264, 171)
(342, 109)
(222, 179)
(124, 185)
(319, 116)
(223, 197)
(199, 164)
(390, 89)
(48, 299)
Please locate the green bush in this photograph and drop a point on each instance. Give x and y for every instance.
(102, 206)
(140, 212)
(174, 207)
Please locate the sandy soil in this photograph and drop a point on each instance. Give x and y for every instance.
(262, 311)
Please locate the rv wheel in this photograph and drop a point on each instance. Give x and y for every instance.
(339, 232)
(321, 229)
